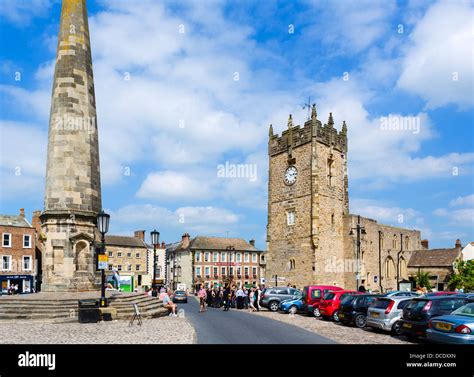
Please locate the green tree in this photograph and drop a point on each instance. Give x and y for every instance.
(464, 276)
(422, 279)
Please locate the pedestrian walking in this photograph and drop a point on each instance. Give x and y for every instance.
(251, 297)
(246, 298)
(202, 300)
(257, 299)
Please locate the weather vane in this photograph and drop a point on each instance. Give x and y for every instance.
(307, 106)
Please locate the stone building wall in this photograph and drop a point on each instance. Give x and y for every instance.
(370, 253)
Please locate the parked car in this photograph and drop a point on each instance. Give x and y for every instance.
(385, 313)
(331, 302)
(455, 328)
(271, 297)
(312, 295)
(353, 309)
(292, 306)
(401, 294)
(419, 311)
(439, 293)
(180, 296)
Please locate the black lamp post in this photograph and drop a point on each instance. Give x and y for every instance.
(103, 227)
(359, 230)
(155, 239)
(398, 261)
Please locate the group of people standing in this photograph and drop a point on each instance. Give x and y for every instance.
(230, 297)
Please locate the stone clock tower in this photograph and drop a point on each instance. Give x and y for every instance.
(307, 200)
(73, 195)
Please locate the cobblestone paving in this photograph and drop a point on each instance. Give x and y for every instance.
(339, 333)
(165, 330)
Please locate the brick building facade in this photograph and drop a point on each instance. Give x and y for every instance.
(128, 256)
(17, 253)
(209, 261)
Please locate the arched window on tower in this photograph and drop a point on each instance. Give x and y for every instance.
(407, 243)
(389, 268)
(394, 242)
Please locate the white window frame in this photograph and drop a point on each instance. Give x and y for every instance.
(129, 254)
(254, 258)
(238, 257)
(254, 271)
(138, 267)
(215, 257)
(246, 271)
(214, 270)
(9, 264)
(9, 239)
(198, 271)
(223, 270)
(129, 267)
(137, 255)
(231, 257)
(119, 254)
(290, 218)
(207, 256)
(207, 271)
(111, 253)
(223, 256)
(239, 271)
(29, 238)
(246, 257)
(197, 256)
(119, 267)
(23, 262)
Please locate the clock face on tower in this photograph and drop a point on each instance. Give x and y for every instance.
(290, 175)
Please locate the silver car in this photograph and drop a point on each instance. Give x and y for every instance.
(385, 313)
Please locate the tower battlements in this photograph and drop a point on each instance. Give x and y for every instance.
(295, 136)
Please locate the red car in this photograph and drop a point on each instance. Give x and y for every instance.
(312, 295)
(330, 303)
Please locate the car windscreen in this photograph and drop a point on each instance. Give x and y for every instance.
(416, 304)
(466, 310)
(329, 296)
(180, 293)
(449, 304)
(347, 299)
(381, 303)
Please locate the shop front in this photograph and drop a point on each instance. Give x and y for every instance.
(23, 282)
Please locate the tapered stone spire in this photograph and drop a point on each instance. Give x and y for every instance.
(73, 194)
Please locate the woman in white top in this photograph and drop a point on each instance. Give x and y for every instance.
(251, 300)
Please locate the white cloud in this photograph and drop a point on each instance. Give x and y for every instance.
(351, 26)
(20, 12)
(22, 159)
(441, 48)
(381, 212)
(172, 185)
(467, 200)
(195, 220)
(393, 155)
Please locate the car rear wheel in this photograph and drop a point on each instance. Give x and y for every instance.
(293, 309)
(360, 321)
(397, 328)
(335, 316)
(316, 312)
(273, 306)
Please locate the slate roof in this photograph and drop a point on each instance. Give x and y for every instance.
(434, 257)
(214, 243)
(14, 220)
(124, 241)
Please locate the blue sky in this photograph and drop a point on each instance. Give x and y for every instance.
(171, 109)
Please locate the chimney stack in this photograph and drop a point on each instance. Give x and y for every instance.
(140, 234)
(424, 244)
(252, 242)
(458, 244)
(22, 212)
(163, 245)
(36, 222)
(185, 240)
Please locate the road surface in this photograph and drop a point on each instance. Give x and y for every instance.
(240, 327)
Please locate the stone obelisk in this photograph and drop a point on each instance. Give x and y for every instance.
(73, 195)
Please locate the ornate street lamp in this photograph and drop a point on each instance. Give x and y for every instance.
(155, 239)
(359, 230)
(103, 227)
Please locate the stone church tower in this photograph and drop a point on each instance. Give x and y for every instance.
(307, 202)
(73, 194)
